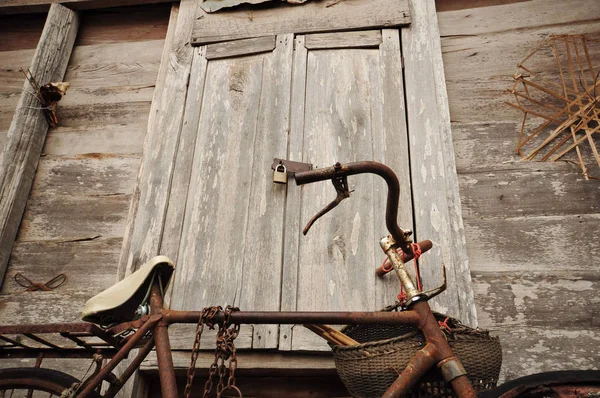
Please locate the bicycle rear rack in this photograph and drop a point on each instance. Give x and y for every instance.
(60, 340)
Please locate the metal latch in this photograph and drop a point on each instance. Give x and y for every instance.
(291, 167)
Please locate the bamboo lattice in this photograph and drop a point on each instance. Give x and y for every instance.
(557, 89)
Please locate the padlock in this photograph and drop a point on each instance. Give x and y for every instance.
(280, 174)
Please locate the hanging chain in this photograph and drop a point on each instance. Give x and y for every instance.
(207, 317)
(225, 350)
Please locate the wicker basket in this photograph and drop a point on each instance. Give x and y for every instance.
(368, 369)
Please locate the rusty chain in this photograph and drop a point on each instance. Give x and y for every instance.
(225, 350)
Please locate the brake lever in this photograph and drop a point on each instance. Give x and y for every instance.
(340, 182)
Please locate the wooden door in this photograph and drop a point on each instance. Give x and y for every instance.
(347, 105)
(236, 120)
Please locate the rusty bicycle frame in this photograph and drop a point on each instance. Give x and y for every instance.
(152, 329)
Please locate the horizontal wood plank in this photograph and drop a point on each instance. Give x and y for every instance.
(530, 189)
(20, 32)
(93, 174)
(143, 23)
(34, 6)
(89, 264)
(235, 48)
(532, 350)
(358, 39)
(256, 360)
(550, 243)
(308, 18)
(110, 138)
(103, 114)
(517, 16)
(73, 217)
(142, 51)
(43, 307)
(524, 299)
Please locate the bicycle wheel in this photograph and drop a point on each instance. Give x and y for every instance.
(559, 384)
(32, 382)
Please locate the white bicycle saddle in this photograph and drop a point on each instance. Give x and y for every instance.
(119, 302)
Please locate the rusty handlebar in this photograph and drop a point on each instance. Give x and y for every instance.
(400, 235)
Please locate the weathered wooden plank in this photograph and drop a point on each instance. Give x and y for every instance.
(530, 189)
(102, 26)
(517, 16)
(21, 32)
(84, 116)
(257, 360)
(533, 350)
(141, 51)
(435, 190)
(485, 146)
(533, 243)
(235, 48)
(293, 225)
(184, 162)
(93, 174)
(182, 337)
(241, 230)
(390, 146)
(28, 128)
(89, 264)
(43, 307)
(260, 288)
(524, 299)
(363, 38)
(73, 217)
(362, 94)
(32, 6)
(110, 138)
(308, 18)
(149, 202)
(109, 95)
(114, 73)
(479, 68)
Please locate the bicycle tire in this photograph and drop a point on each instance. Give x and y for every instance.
(529, 386)
(37, 379)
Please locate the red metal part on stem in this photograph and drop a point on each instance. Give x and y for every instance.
(166, 370)
(425, 246)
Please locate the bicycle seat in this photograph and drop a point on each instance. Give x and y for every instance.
(119, 302)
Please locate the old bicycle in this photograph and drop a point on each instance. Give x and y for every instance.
(131, 315)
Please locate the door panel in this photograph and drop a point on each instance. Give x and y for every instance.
(231, 244)
(352, 110)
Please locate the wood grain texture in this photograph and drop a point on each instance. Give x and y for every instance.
(435, 190)
(565, 299)
(239, 235)
(149, 203)
(21, 32)
(542, 349)
(28, 128)
(142, 23)
(308, 18)
(530, 189)
(93, 174)
(539, 243)
(363, 38)
(517, 16)
(293, 225)
(33, 6)
(355, 113)
(89, 263)
(50, 217)
(125, 138)
(234, 48)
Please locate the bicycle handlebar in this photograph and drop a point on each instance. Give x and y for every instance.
(391, 213)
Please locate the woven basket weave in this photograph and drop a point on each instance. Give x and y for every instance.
(368, 369)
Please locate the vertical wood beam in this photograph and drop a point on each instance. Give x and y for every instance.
(436, 196)
(150, 200)
(28, 129)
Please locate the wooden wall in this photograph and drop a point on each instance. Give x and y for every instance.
(76, 212)
(532, 229)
